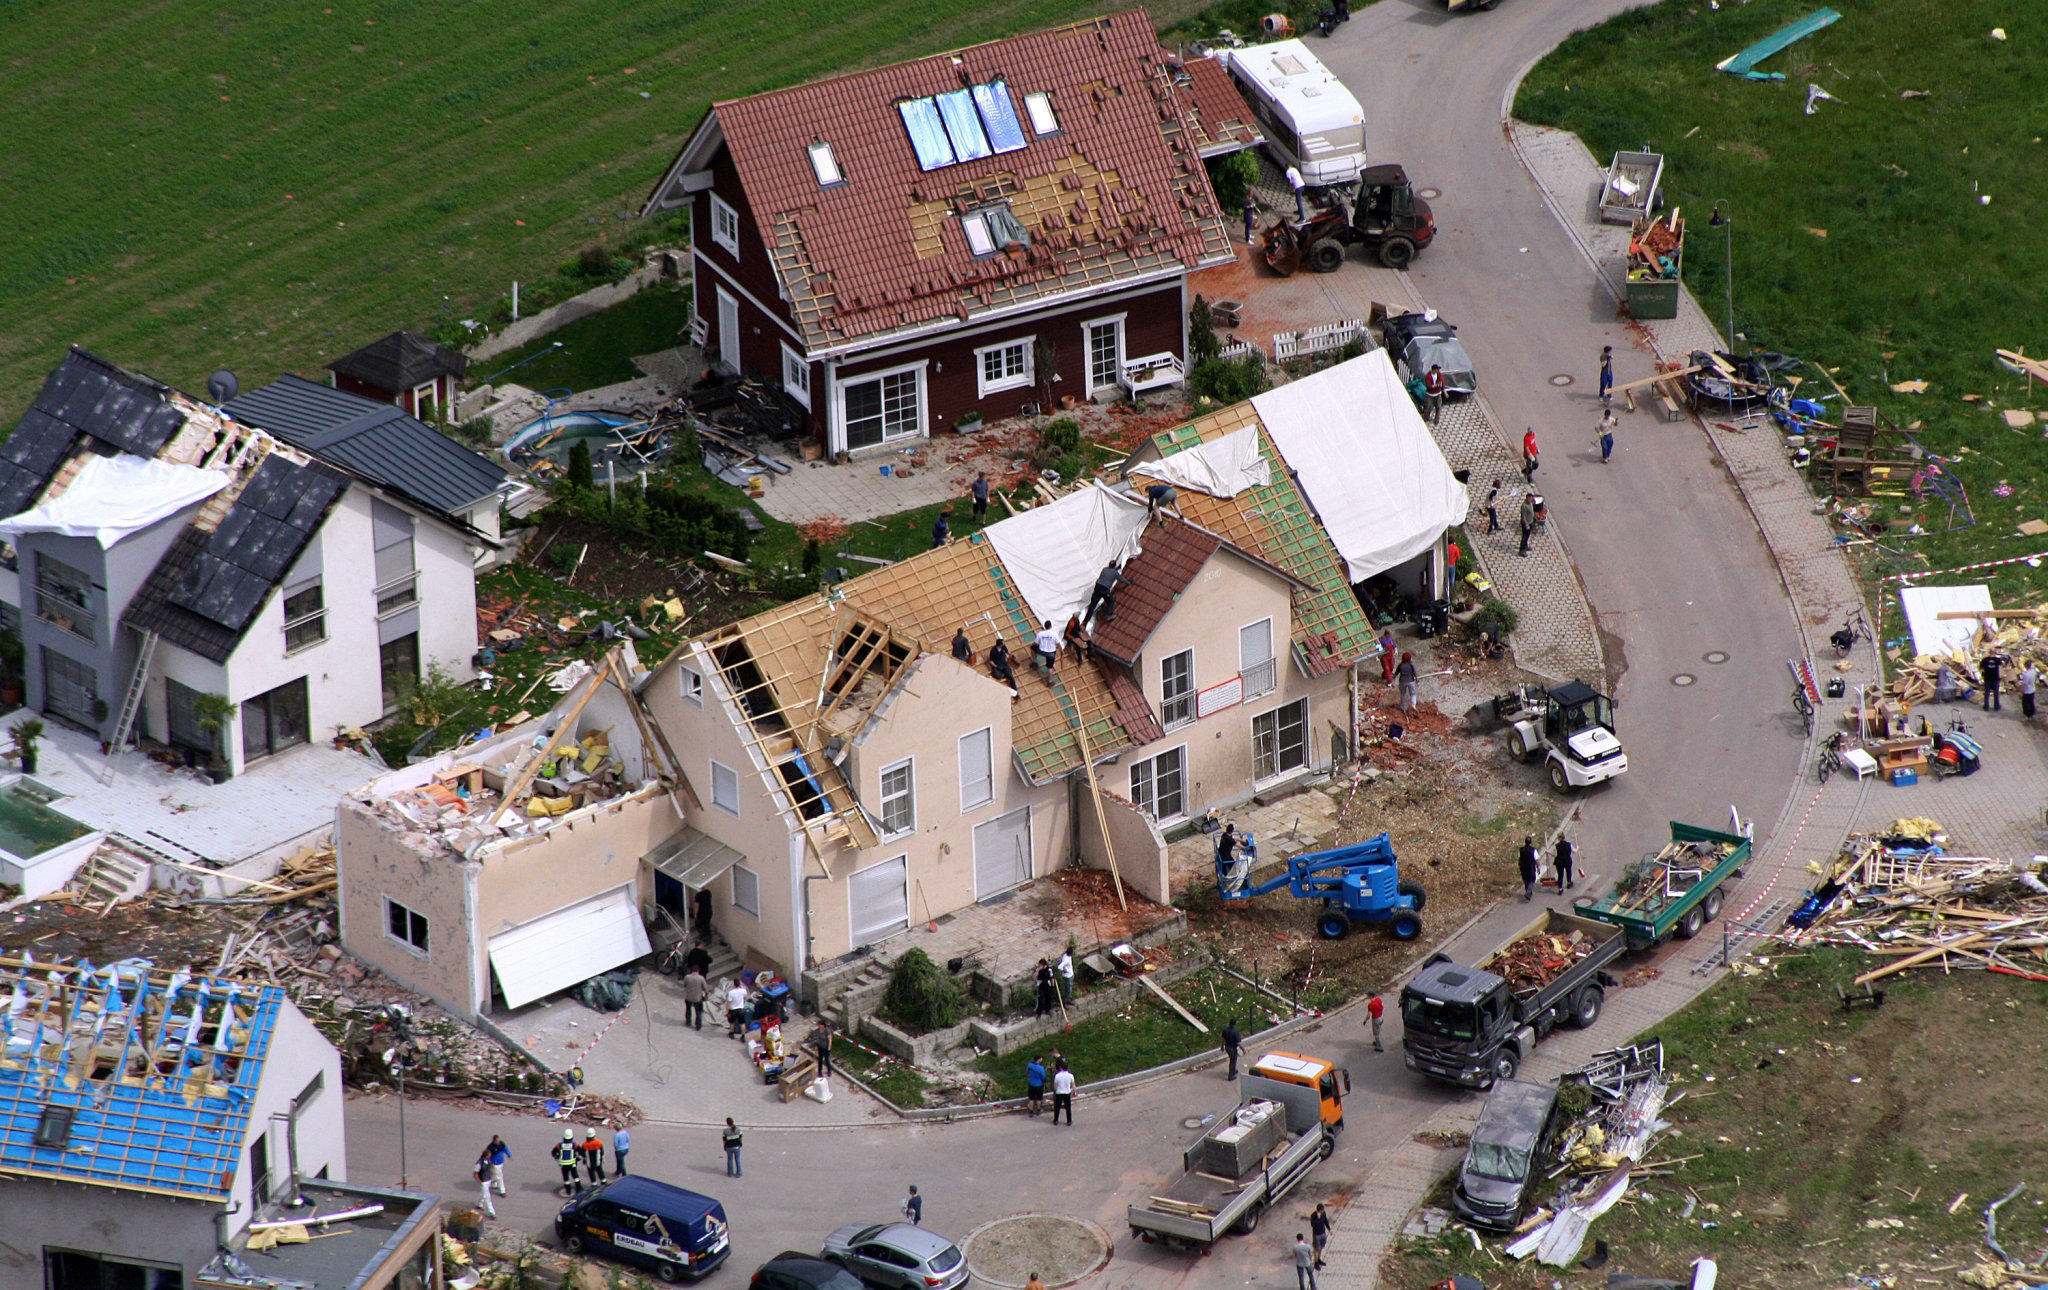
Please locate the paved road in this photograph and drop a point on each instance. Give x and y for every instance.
(1674, 569)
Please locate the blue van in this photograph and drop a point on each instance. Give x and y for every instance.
(673, 1233)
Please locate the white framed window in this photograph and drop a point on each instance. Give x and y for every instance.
(746, 890)
(883, 407)
(980, 239)
(825, 166)
(796, 376)
(1103, 342)
(1038, 106)
(1255, 657)
(725, 226)
(878, 900)
(977, 769)
(725, 788)
(426, 401)
(692, 685)
(1158, 784)
(1002, 367)
(1177, 689)
(397, 576)
(406, 926)
(899, 794)
(305, 616)
(1280, 740)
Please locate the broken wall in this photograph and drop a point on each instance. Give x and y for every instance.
(376, 863)
(1136, 841)
(583, 854)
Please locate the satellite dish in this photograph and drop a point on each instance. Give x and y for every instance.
(222, 386)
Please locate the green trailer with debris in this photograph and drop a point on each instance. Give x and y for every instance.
(1675, 892)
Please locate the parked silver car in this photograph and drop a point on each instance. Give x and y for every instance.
(898, 1255)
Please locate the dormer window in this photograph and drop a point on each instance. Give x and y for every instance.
(1039, 106)
(825, 165)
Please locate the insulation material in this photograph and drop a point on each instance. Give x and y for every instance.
(1054, 552)
(1354, 441)
(113, 497)
(1221, 468)
(1932, 634)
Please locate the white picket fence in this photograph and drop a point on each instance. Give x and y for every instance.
(1316, 340)
(1237, 349)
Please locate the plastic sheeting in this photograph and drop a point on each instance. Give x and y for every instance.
(1359, 449)
(112, 497)
(1221, 468)
(1924, 605)
(1054, 552)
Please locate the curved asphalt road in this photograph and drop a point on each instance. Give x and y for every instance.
(1674, 568)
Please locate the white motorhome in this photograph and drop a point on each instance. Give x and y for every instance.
(1310, 120)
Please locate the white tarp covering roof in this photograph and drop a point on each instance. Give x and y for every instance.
(1054, 552)
(568, 947)
(112, 497)
(1221, 468)
(1933, 634)
(1361, 452)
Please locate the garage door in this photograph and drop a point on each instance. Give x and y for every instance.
(567, 947)
(879, 897)
(1002, 854)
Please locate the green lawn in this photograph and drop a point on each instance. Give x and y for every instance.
(599, 349)
(266, 187)
(1860, 240)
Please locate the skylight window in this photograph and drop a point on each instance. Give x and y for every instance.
(992, 228)
(1289, 65)
(999, 116)
(825, 165)
(963, 125)
(1043, 121)
(927, 134)
(979, 239)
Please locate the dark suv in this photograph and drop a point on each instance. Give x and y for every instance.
(1511, 1147)
(792, 1271)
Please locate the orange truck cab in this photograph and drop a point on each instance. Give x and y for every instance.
(1330, 1082)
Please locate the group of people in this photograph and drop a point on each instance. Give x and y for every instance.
(1530, 862)
(1048, 643)
(1036, 1077)
(1952, 687)
(584, 1152)
(1053, 983)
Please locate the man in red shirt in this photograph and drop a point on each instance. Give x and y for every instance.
(1451, 554)
(1433, 385)
(1374, 1010)
(1529, 454)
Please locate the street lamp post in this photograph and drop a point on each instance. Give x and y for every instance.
(1726, 223)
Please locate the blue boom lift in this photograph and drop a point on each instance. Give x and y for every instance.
(1360, 883)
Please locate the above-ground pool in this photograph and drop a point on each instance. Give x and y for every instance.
(40, 847)
(553, 435)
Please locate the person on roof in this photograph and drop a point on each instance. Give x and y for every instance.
(999, 664)
(1077, 638)
(1104, 595)
(963, 649)
(1045, 648)
(1159, 497)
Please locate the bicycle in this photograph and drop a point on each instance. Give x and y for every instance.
(1804, 704)
(1831, 755)
(1853, 629)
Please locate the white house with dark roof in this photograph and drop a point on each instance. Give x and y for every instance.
(163, 549)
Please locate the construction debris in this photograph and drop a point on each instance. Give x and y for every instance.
(1538, 959)
(1603, 1149)
(2014, 634)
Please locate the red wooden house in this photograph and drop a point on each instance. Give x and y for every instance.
(405, 369)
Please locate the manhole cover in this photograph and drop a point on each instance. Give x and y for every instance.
(1194, 1122)
(1060, 1250)
(1684, 678)
(1716, 656)
(1429, 194)
(1561, 380)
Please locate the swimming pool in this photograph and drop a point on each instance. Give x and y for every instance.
(40, 846)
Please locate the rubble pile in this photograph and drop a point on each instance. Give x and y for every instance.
(1538, 959)
(1899, 896)
(1601, 1150)
(1654, 882)
(2015, 635)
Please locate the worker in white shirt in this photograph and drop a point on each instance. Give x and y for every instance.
(1046, 649)
(1297, 183)
(1062, 1092)
(736, 1009)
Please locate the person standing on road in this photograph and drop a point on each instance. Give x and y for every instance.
(1062, 1092)
(1034, 1086)
(593, 1155)
(1319, 1231)
(1528, 862)
(1404, 672)
(2027, 682)
(1304, 1263)
(1606, 372)
(1433, 386)
(913, 1207)
(1042, 981)
(1387, 655)
(979, 492)
(1375, 1011)
(1563, 859)
(1989, 668)
(622, 1142)
(731, 1139)
(483, 1188)
(1528, 518)
(1604, 434)
(695, 987)
(1298, 184)
(1493, 508)
(1232, 1042)
(736, 1008)
(497, 1155)
(565, 1155)
(1529, 454)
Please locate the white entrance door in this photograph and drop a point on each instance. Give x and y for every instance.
(879, 898)
(728, 330)
(1105, 354)
(1002, 853)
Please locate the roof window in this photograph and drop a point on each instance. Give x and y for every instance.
(1039, 105)
(962, 125)
(825, 165)
(992, 228)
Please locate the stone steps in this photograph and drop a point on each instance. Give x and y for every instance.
(112, 873)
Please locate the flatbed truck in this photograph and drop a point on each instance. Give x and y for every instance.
(1286, 1122)
(1679, 894)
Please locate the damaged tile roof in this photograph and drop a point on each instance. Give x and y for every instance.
(1115, 193)
(401, 361)
(1164, 567)
(1222, 120)
(1274, 521)
(85, 397)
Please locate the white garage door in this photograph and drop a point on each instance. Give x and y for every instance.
(879, 897)
(568, 947)
(1002, 853)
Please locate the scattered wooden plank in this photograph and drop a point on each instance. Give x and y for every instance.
(1173, 1003)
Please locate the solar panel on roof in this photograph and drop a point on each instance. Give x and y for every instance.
(927, 134)
(963, 125)
(1005, 133)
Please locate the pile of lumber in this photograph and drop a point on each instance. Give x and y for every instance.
(2015, 634)
(1537, 959)
(1914, 906)
(1660, 879)
(1654, 246)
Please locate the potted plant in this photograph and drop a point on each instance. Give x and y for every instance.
(26, 737)
(968, 423)
(211, 713)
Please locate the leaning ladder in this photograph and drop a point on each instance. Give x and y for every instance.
(131, 704)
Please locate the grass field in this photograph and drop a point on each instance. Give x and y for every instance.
(265, 187)
(1860, 240)
(597, 350)
(1820, 1149)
